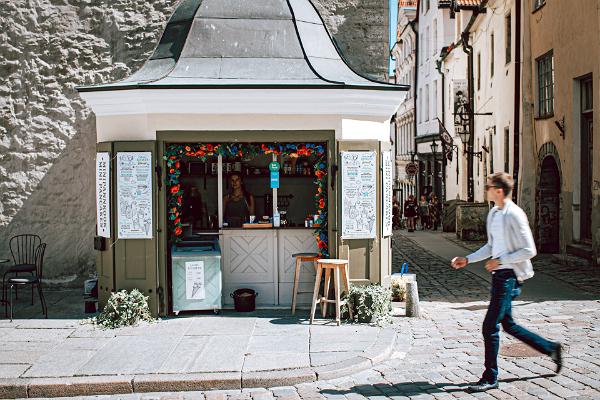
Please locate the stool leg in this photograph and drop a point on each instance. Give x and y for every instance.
(326, 292)
(313, 308)
(296, 280)
(347, 284)
(336, 283)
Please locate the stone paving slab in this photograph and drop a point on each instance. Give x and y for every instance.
(231, 351)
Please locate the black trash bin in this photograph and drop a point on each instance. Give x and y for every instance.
(244, 300)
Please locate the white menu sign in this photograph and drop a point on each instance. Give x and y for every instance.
(134, 195)
(103, 194)
(387, 193)
(194, 280)
(359, 195)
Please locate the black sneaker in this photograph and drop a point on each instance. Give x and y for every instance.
(482, 386)
(556, 356)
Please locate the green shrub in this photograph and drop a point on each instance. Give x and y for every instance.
(370, 303)
(124, 309)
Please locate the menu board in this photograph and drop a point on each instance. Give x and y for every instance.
(134, 195)
(103, 194)
(387, 193)
(194, 280)
(359, 194)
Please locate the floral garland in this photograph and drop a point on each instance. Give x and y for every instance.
(175, 152)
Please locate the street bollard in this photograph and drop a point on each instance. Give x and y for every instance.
(412, 300)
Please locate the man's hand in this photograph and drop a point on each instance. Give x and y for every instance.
(492, 264)
(459, 262)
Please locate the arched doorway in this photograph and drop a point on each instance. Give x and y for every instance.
(548, 212)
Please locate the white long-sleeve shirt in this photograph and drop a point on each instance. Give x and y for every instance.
(520, 246)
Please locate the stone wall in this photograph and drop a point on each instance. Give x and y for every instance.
(47, 134)
(471, 221)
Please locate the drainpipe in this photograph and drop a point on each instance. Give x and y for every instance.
(416, 80)
(439, 69)
(468, 49)
(517, 101)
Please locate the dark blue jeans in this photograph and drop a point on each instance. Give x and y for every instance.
(505, 287)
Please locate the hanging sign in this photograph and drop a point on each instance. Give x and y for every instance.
(461, 106)
(274, 166)
(134, 195)
(387, 193)
(274, 179)
(411, 169)
(194, 280)
(359, 194)
(103, 194)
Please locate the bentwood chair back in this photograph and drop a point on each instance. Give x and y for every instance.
(23, 248)
(34, 280)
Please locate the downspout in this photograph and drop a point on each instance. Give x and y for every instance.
(517, 102)
(468, 49)
(416, 80)
(439, 69)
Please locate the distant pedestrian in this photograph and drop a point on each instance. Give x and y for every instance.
(424, 212)
(396, 213)
(511, 247)
(435, 211)
(410, 212)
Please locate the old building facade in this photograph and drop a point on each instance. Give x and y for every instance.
(560, 152)
(404, 53)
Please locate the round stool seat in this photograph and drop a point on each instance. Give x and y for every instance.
(305, 255)
(332, 261)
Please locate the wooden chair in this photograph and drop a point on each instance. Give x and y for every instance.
(301, 258)
(333, 267)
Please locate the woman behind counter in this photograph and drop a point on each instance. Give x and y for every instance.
(238, 204)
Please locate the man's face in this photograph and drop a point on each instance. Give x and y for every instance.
(494, 193)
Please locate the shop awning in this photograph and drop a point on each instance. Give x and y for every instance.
(240, 44)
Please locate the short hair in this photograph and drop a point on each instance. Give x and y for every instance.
(503, 181)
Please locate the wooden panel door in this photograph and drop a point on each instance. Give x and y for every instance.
(136, 259)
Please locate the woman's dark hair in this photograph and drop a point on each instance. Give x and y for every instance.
(244, 191)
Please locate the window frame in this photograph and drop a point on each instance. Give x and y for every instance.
(545, 104)
(508, 38)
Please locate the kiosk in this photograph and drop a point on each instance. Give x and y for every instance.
(260, 91)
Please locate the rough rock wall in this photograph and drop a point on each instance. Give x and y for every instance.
(47, 134)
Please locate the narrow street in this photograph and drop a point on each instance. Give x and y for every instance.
(437, 355)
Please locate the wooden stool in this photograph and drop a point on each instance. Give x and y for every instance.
(330, 266)
(300, 258)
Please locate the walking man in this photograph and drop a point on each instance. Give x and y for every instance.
(510, 246)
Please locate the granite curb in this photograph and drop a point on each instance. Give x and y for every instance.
(147, 383)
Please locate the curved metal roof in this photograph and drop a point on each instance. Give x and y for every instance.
(246, 44)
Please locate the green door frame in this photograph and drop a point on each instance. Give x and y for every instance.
(163, 137)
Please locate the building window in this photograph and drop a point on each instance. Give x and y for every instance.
(427, 44)
(426, 102)
(422, 48)
(435, 36)
(545, 81)
(492, 55)
(508, 38)
(587, 96)
(507, 150)
(538, 4)
(420, 110)
(434, 101)
(478, 71)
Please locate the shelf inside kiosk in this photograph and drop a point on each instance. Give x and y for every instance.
(199, 180)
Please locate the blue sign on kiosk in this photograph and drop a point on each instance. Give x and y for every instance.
(274, 179)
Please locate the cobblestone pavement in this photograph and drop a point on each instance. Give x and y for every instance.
(436, 356)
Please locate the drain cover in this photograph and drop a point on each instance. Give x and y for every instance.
(519, 350)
